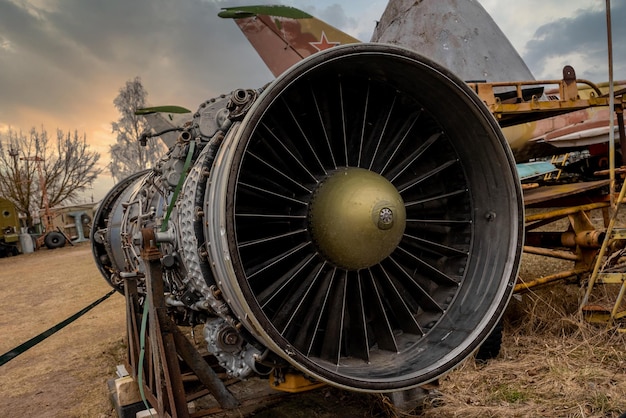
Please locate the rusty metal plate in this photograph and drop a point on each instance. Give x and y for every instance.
(544, 194)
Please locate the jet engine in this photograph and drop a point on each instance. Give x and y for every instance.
(358, 219)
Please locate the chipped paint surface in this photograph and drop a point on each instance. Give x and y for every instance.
(458, 34)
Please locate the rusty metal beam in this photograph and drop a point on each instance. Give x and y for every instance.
(511, 112)
(525, 286)
(162, 340)
(164, 386)
(561, 213)
(552, 196)
(563, 255)
(198, 365)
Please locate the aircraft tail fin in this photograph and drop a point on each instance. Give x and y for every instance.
(284, 35)
(460, 35)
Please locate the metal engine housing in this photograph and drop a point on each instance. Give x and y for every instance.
(359, 219)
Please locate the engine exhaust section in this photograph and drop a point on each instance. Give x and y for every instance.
(359, 219)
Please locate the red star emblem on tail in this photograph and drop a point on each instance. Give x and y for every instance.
(323, 43)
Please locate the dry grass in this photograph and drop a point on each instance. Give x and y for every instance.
(552, 364)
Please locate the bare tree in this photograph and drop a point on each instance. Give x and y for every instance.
(28, 163)
(128, 155)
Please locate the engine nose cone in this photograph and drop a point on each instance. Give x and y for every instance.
(356, 218)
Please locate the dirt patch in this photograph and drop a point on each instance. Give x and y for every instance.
(551, 364)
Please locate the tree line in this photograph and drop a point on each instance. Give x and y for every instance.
(65, 165)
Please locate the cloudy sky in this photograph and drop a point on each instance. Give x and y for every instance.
(62, 62)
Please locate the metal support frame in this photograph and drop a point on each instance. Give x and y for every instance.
(520, 110)
(165, 343)
(582, 254)
(598, 275)
(166, 346)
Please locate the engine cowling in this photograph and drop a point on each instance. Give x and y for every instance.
(359, 219)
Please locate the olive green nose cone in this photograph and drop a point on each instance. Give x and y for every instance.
(356, 218)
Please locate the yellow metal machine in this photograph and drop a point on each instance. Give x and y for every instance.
(9, 228)
(595, 251)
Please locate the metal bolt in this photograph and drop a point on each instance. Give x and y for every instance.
(386, 216)
(230, 337)
(217, 293)
(385, 219)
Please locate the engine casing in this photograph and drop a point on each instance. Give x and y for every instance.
(358, 219)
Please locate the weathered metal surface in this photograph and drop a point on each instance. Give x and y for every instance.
(575, 116)
(551, 193)
(611, 278)
(525, 286)
(357, 218)
(284, 35)
(458, 34)
(512, 109)
(579, 242)
(169, 390)
(533, 169)
(198, 365)
(251, 207)
(563, 255)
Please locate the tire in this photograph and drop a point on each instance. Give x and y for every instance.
(54, 240)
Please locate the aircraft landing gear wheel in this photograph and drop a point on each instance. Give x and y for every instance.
(54, 240)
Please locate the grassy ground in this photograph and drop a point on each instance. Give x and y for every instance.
(551, 363)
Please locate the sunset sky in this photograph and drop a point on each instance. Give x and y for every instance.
(62, 62)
